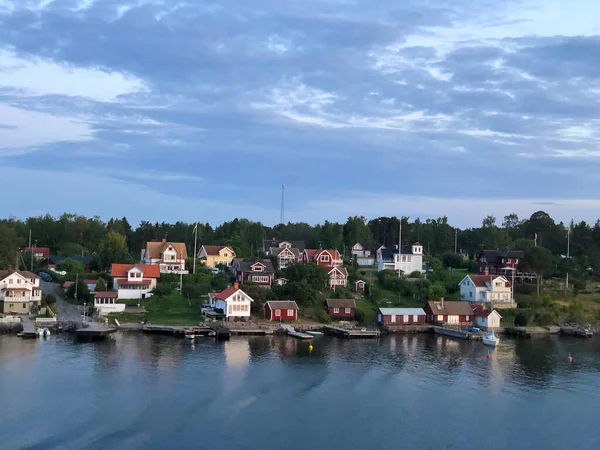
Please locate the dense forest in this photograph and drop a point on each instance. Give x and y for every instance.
(118, 241)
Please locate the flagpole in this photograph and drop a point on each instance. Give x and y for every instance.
(195, 244)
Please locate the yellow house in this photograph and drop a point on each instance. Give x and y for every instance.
(212, 255)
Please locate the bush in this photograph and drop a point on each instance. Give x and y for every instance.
(162, 289)
(544, 319)
(322, 316)
(527, 289)
(521, 320)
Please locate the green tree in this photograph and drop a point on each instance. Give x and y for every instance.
(113, 249)
(356, 230)
(101, 285)
(521, 319)
(70, 266)
(540, 261)
(452, 260)
(79, 291)
(9, 245)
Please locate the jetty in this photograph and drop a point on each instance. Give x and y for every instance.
(407, 329)
(224, 330)
(577, 332)
(529, 332)
(457, 333)
(29, 330)
(350, 332)
(290, 331)
(178, 331)
(94, 330)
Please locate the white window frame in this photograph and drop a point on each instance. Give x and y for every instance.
(348, 310)
(277, 312)
(336, 310)
(324, 258)
(290, 312)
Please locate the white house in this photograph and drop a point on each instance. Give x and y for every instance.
(233, 302)
(493, 289)
(106, 302)
(405, 262)
(338, 278)
(486, 319)
(134, 281)
(20, 292)
(364, 257)
(170, 256)
(285, 256)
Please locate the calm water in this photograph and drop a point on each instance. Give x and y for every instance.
(135, 391)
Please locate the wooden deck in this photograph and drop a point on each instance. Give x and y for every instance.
(179, 331)
(458, 333)
(290, 331)
(350, 333)
(29, 330)
(94, 330)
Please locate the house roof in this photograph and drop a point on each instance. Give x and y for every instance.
(105, 294)
(388, 253)
(341, 303)
(228, 292)
(275, 251)
(155, 249)
(270, 243)
(85, 260)
(482, 311)
(282, 304)
(450, 308)
(482, 280)
(45, 251)
(120, 270)
(342, 270)
(402, 311)
(126, 281)
(213, 250)
(23, 273)
(310, 252)
(246, 266)
(493, 255)
(334, 254)
(360, 281)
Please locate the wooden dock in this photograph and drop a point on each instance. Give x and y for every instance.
(290, 331)
(529, 332)
(29, 330)
(350, 332)
(179, 331)
(94, 330)
(407, 329)
(457, 333)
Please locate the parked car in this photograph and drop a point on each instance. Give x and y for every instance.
(45, 276)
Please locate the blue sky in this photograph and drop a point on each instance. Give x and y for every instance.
(199, 110)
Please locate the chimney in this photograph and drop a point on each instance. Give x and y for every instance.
(486, 273)
(164, 240)
(442, 301)
(236, 285)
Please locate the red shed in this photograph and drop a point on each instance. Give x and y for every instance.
(281, 310)
(452, 313)
(359, 285)
(341, 308)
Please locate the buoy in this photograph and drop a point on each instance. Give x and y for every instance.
(310, 347)
(488, 356)
(409, 355)
(570, 358)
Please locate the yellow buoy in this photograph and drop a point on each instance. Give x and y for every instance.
(310, 347)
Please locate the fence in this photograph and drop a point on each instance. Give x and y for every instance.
(10, 319)
(45, 320)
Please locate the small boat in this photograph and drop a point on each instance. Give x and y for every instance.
(314, 333)
(43, 332)
(190, 336)
(491, 339)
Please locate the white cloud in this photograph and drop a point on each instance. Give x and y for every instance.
(21, 128)
(36, 76)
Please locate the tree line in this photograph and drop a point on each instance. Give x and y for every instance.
(116, 240)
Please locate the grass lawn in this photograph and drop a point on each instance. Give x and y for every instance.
(369, 309)
(173, 309)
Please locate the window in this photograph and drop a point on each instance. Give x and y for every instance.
(324, 258)
(405, 318)
(258, 268)
(467, 318)
(440, 318)
(10, 281)
(439, 307)
(18, 281)
(290, 312)
(24, 305)
(347, 310)
(471, 294)
(336, 310)
(415, 318)
(516, 261)
(225, 255)
(260, 278)
(508, 260)
(277, 312)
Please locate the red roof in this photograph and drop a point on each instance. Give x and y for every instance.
(225, 294)
(106, 294)
(126, 281)
(120, 270)
(481, 280)
(334, 254)
(45, 251)
(213, 250)
(67, 284)
(310, 253)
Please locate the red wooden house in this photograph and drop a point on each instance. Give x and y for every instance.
(452, 313)
(401, 316)
(493, 261)
(259, 272)
(281, 310)
(360, 286)
(341, 308)
(325, 258)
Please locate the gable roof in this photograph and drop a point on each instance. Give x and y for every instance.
(402, 311)
(228, 292)
(493, 256)
(310, 253)
(155, 249)
(360, 281)
(333, 254)
(482, 311)
(246, 266)
(120, 270)
(24, 273)
(482, 280)
(281, 304)
(341, 303)
(450, 308)
(272, 243)
(276, 251)
(213, 250)
(45, 251)
(105, 294)
(85, 260)
(342, 270)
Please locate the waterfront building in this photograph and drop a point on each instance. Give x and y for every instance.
(20, 292)
(231, 303)
(106, 302)
(281, 310)
(170, 256)
(451, 313)
(341, 308)
(134, 281)
(401, 316)
(486, 319)
(486, 289)
(403, 262)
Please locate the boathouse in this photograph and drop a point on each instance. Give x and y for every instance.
(486, 319)
(341, 308)
(401, 316)
(281, 310)
(451, 313)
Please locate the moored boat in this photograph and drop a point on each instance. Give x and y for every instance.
(314, 333)
(491, 339)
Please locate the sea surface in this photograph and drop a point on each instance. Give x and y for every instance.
(135, 391)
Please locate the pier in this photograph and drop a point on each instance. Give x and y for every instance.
(577, 332)
(457, 333)
(350, 333)
(179, 331)
(407, 329)
(529, 332)
(94, 330)
(29, 330)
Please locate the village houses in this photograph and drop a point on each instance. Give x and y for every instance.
(169, 256)
(258, 272)
(493, 289)
(232, 303)
(341, 308)
(401, 316)
(213, 255)
(451, 313)
(497, 261)
(364, 256)
(281, 310)
(20, 292)
(486, 319)
(337, 275)
(134, 281)
(404, 262)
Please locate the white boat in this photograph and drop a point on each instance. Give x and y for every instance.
(43, 332)
(314, 333)
(491, 339)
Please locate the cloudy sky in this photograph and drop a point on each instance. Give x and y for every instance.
(200, 110)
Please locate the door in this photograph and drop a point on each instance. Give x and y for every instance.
(393, 318)
(453, 319)
(405, 318)
(415, 318)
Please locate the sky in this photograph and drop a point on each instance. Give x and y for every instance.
(199, 111)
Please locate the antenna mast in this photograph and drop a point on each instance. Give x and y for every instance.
(281, 218)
